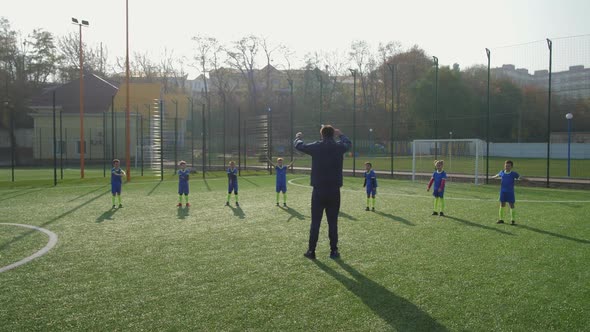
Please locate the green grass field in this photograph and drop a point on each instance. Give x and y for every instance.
(152, 266)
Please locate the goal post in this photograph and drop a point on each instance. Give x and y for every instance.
(464, 158)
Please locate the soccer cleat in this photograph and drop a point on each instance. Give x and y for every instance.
(120, 205)
(187, 204)
(310, 254)
(226, 203)
(435, 213)
(513, 222)
(237, 204)
(441, 214)
(277, 203)
(285, 204)
(334, 254)
(179, 204)
(500, 221)
(373, 209)
(367, 208)
(113, 207)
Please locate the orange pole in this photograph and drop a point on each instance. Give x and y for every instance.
(81, 108)
(127, 120)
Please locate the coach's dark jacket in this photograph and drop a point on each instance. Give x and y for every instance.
(327, 159)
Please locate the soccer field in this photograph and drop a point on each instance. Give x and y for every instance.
(152, 266)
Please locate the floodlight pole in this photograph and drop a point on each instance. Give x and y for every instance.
(435, 107)
(175, 102)
(127, 110)
(192, 133)
(291, 116)
(550, 45)
(54, 145)
(81, 24)
(353, 72)
(392, 69)
(318, 73)
(488, 53)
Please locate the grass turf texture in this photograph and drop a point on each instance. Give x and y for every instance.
(152, 266)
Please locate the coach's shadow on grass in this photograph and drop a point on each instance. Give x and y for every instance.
(107, 215)
(154, 188)
(398, 312)
(396, 218)
(469, 223)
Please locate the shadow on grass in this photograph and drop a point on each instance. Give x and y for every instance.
(294, 213)
(182, 213)
(251, 182)
(89, 193)
(399, 313)
(52, 220)
(470, 223)
(206, 184)
(20, 193)
(238, 212)
(396, 218)
(154, 188)
(540, 231)
(346, 216)
(107, 215)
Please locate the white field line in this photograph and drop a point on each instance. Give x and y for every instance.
(52, 242)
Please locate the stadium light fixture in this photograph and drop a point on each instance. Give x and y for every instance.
(82, 143)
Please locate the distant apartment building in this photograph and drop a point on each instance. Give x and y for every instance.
(573, 83)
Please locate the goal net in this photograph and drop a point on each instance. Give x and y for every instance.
(463, 158)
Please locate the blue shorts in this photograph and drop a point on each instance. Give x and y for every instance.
(371, 191)
(507, 197)
(282, 187)
(115, 188)
(436, 193)
(183, 188)
(232, 187)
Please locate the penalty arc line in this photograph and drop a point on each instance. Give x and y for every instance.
(52, 242)
(447, 198)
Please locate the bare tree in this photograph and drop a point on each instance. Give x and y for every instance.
(242, 56)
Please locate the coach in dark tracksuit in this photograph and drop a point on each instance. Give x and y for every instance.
(326, 180)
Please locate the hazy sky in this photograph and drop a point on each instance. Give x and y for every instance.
(454, 30)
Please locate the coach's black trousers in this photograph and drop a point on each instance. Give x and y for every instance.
(328, 200)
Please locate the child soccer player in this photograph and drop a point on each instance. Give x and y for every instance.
(232, 178)
(117, 175)
(508, 178)
(281, 185)
(438, 178)
(183, 174)
(370, 184)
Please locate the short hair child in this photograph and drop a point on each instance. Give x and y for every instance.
(117, 175)
(183, 176)
(438, 179)
(232, 182)
(508, 179)
(370, 184)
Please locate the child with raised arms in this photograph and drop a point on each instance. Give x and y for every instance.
(281, 184)
(117, 175)
(232, 182)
